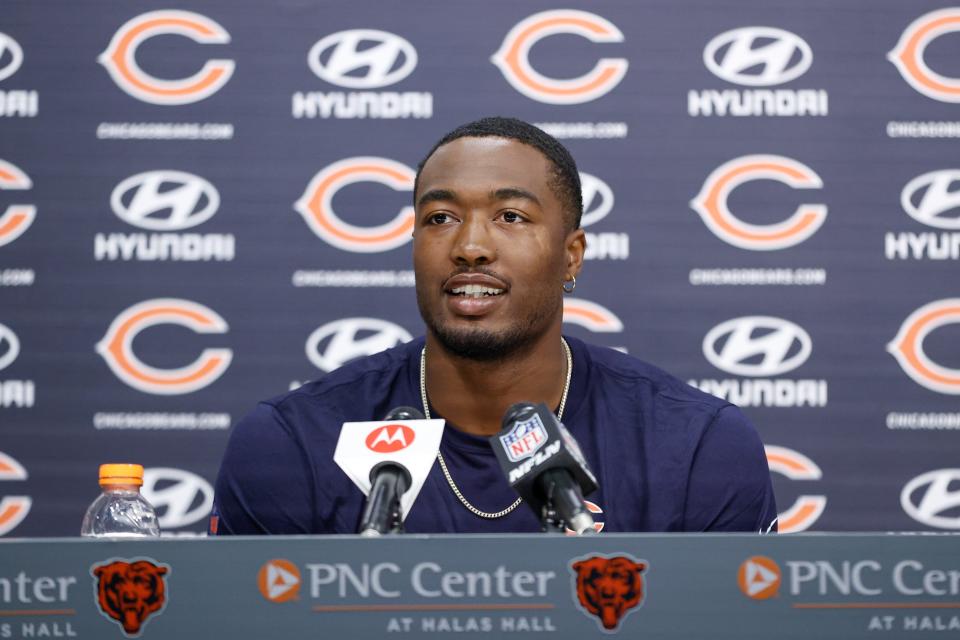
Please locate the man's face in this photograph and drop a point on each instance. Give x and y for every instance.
(491, 248)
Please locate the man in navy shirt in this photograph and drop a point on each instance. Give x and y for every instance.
(497, 241)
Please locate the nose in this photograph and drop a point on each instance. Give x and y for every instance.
(473, 244)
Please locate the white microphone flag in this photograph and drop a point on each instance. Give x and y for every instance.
(411, 443)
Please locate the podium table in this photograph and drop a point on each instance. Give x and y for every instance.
(470, 586)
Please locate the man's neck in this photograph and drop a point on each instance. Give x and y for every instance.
(473, 395)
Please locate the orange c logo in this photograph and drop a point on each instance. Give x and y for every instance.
(796, 466)
(116, 347)
(907, 56)
(593, 508)
(18, 217)
(907, 347)
(121, 63)
(316, 205)
(591, 316)
(513, 57)
(13, 509)
(711, 203)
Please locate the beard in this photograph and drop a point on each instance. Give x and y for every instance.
(485, 345)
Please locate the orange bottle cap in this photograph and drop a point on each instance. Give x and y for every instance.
(121, 474)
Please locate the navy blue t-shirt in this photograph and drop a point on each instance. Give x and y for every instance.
(667, 457)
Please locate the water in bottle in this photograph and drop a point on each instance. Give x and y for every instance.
(120, 511)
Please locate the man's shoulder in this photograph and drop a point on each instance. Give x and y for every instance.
(356, 381)
(647, 380)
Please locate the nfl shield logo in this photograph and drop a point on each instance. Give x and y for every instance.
(524, 439)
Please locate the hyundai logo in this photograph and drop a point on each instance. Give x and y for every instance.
(597, 199)
(9, 347)
(341, 341)
(757, 56)
(9, 64)
(929, 498)
(927, 197)
(164, 200)
(362, 58)
(181, 498)
(757, 346)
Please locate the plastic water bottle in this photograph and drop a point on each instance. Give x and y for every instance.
(120, 511)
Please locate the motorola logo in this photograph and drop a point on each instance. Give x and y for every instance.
(181, 498)
(336, 343)
(164, 200)
(757, 56)
(934, 199)
(9, 347)
(933, 498)
(390, 438)
(362, 58)
(757, 346)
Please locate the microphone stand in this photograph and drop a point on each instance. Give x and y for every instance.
(563, 505)
(381, 515)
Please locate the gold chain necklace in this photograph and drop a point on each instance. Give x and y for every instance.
(443, 465)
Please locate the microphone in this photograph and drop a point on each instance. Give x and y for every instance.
(389, 480)
(543, 462)
(389, 461)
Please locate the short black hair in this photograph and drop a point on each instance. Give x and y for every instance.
(564, 180)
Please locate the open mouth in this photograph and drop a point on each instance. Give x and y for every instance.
(475, 291)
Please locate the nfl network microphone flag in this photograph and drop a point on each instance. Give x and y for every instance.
(543, 462)
(411, 443)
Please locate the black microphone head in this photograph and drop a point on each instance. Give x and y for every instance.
(518, 411)
(404, 413)
(533, 441)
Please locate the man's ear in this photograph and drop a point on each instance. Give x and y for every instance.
(575, 246)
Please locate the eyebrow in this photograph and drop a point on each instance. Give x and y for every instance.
(505, 193)
(509, 193)
(436, 195)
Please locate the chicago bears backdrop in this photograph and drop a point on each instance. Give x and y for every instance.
(206, 203)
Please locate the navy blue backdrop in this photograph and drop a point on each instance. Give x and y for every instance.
(205, 203)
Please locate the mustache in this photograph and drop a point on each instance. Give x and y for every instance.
(487, 271)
